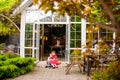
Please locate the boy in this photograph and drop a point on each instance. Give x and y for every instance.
(48, 62)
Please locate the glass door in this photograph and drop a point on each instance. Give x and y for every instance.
(67, 44)
(36, 36)
(32, 33)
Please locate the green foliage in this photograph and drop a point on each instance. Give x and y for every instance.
(6, 30)
(76, 55)
(4, 57)
(114, 70)
(6, 5)
(6, 20)
(97, 12)
(100, 75)
(9, 71)
(20, 62)
(2, 45)
(103, 48)
(12, 65)
(110, 73)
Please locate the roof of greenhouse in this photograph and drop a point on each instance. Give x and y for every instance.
(31, 17)
(22, 6)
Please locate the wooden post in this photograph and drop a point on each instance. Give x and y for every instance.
(42, 45)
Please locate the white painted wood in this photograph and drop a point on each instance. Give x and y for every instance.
(68, 18)
(22, 7)
(83, 34)
(38, 42)
(33, 41)
(114, 38)
(22, 34)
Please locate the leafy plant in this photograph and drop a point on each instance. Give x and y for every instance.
(2, 45)
(12, 65)
(110, 73)
(9, 71)
(7, 4)
(76, 52)
(6, 56)
(8, 24)
(76, 55)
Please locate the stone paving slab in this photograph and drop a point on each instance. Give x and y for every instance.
(42, 73)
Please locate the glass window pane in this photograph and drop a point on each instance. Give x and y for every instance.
(72, 43)
(28, 52)
(35, 53)
(78, 35)
(75, 35)
(72, 35)
(110, 36)
(28, 43)
(78, 43)
(72, 27)
(35, 43)
(78, 27)
(28, 35)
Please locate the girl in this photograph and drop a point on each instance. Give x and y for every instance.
(54, 60)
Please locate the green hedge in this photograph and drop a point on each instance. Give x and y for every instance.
(12, 65)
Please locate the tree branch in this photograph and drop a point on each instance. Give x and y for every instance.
(110, 14)
(10, 21)
(108, 27)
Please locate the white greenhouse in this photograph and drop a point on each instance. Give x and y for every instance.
(41, 33)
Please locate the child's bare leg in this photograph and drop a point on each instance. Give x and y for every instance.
(53, 65)
(56, 66)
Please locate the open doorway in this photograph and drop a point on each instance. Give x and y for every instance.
(52, 38)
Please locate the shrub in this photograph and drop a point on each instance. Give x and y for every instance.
(9, 71)
(12, 65)
(110, 73)
(6, 56)
(20, 62)
(114, 70)
(100, 75)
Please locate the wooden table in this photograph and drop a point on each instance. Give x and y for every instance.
(88, 63)
(97, 58)
(73, 62)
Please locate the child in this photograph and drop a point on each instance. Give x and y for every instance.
(48, 62)
(54, 61)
